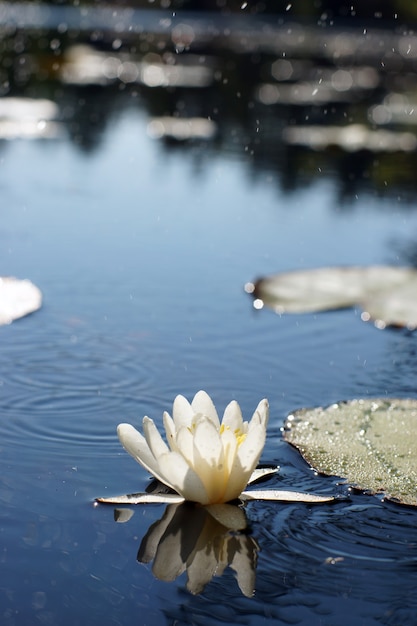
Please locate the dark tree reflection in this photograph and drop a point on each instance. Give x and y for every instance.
(295, 101)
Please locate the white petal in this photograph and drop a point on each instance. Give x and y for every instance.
(250, 450)
(135, 443)
(153, 438)
(170, 430)
(209, 459)
(284, 496)
(207, 443)
(185, 444)
(247, 457)
(202, 403)
(182, 413)
(262, 411)
(229, 443)
(182, 477)
(236, 483)
(233, 416)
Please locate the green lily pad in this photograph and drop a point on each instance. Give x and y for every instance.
(371, 443)
(386, 294)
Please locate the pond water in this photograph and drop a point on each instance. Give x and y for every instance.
(142, 247)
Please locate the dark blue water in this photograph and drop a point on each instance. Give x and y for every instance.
(141, 250)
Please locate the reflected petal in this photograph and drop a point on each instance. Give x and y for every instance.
(178, 541)
(203, 566)
(149, 544)
(244, 552)
(195, 539)
(228, 515)
(123, 515)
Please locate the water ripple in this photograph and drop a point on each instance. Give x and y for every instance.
(77, 363)
(337, 551)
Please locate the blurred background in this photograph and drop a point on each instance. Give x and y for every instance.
(299, 86)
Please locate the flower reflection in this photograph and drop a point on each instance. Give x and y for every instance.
(203, 542)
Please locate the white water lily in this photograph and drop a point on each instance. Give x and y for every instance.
(203, 460)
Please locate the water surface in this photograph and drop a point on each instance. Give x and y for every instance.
(142, 248)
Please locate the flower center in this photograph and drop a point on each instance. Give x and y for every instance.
(240, 436)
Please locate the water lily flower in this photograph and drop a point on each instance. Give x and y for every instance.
(203, 460)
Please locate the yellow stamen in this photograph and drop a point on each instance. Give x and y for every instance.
(237, 433)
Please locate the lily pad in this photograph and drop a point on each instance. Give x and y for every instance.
(371, 443)
(17, 299)
(386, 294)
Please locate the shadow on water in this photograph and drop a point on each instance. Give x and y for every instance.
(151, 163)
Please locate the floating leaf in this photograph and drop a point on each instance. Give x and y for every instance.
(371, 443)
(393, 308)
(173, 498)
(158, 493)
(261, 473)
(284, 496)
(143, 498)
(386, 294)
(17, 298)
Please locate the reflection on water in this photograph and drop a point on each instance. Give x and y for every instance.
(201, 541)
(269, 89)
